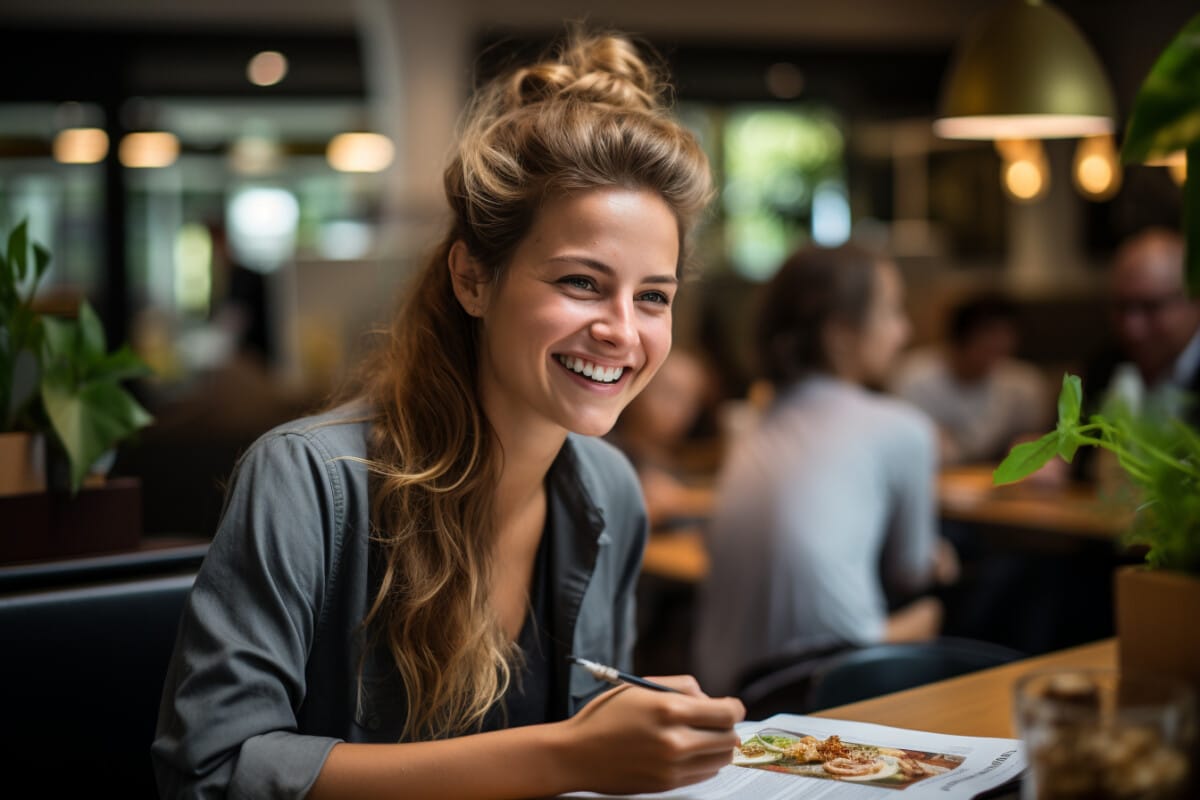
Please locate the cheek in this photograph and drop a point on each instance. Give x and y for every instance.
(656, 341)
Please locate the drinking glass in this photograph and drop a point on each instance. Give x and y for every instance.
(1100, 734)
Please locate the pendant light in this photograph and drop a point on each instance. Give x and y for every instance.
(1024, 71)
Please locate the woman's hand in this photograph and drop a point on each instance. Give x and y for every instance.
(632, 739)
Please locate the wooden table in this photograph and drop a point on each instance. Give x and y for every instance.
(979, 704)
(966, 494)
(678, 555)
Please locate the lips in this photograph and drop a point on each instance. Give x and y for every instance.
(591, 370)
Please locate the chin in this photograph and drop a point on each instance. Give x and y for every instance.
(592, 427)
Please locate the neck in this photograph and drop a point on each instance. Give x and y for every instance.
(526, 452)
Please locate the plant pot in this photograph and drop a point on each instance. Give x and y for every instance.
(45, 525)
(22, 463)
(1156, 615)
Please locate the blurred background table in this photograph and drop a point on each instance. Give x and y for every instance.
(967, 494)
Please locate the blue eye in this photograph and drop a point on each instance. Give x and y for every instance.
(655, 297)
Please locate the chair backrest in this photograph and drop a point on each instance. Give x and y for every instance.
(80, 681)
(812, 681)
(883, 668)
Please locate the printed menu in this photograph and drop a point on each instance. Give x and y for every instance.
(812, 757)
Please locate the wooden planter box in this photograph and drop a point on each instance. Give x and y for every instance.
(1156, 622)
(45, 525)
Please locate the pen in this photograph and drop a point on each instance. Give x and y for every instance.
(616, 676)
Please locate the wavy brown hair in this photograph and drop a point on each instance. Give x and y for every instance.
(592, 114)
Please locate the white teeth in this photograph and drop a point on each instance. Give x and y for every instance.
(590, 370)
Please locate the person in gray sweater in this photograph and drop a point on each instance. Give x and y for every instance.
(824, 513)
(393, 592)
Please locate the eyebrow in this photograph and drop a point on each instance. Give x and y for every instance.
(601, 267)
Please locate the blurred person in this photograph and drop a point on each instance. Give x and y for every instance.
(396, 584)
(824, 532)
(1155, 364)
(982, 399)
(653, 431)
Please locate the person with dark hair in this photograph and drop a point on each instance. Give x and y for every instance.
(389, 603)
(982, 398)
(824, 532)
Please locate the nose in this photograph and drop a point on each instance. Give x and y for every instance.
(615, 324)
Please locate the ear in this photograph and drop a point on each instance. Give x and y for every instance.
(470, 279)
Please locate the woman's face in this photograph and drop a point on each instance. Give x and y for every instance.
(581, 318)
(885, 329)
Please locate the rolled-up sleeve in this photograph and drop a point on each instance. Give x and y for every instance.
(228, 720)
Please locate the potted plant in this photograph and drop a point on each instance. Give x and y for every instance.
(1155, 603)
(58, 384)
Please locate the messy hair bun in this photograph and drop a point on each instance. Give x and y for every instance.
(592, 114)
(596, 70)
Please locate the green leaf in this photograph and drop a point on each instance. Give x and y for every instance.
(1067, 445)
(120, 366)
(1026, 459)
(1191, 221)
(1070, 401)
(18, 244)
(90, 421)
(92, 344)
(25, 375)
(58, 340)
(1166, 111)
(41, 262)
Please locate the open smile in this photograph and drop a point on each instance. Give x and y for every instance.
(590, 370)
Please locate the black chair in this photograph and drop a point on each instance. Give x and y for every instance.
(883, 668)
(810, 682)
(80, 682)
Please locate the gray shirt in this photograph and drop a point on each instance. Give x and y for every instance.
(265, 677)
(827, 499)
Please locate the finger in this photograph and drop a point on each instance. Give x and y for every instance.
(704, 741)
(718, 713)
(684, 683)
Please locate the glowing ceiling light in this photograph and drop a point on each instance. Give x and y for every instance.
(80, 146)
(1097, 170)
(267, 68)
(1024, 70)
(148, 149)
(360, 152)
(1025, 174)
(1176, 164)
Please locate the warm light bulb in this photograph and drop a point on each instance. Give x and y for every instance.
(149, 149)
(1176, 164)
(1096, 171)
(80, 146)
(1023, 179)
(267, 68)
(1024, 173)
(360, 152)
(1178, 170)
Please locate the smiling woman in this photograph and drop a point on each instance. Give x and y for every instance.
(413, 567)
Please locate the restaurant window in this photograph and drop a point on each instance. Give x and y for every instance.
(781, 179)
(62, 202)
